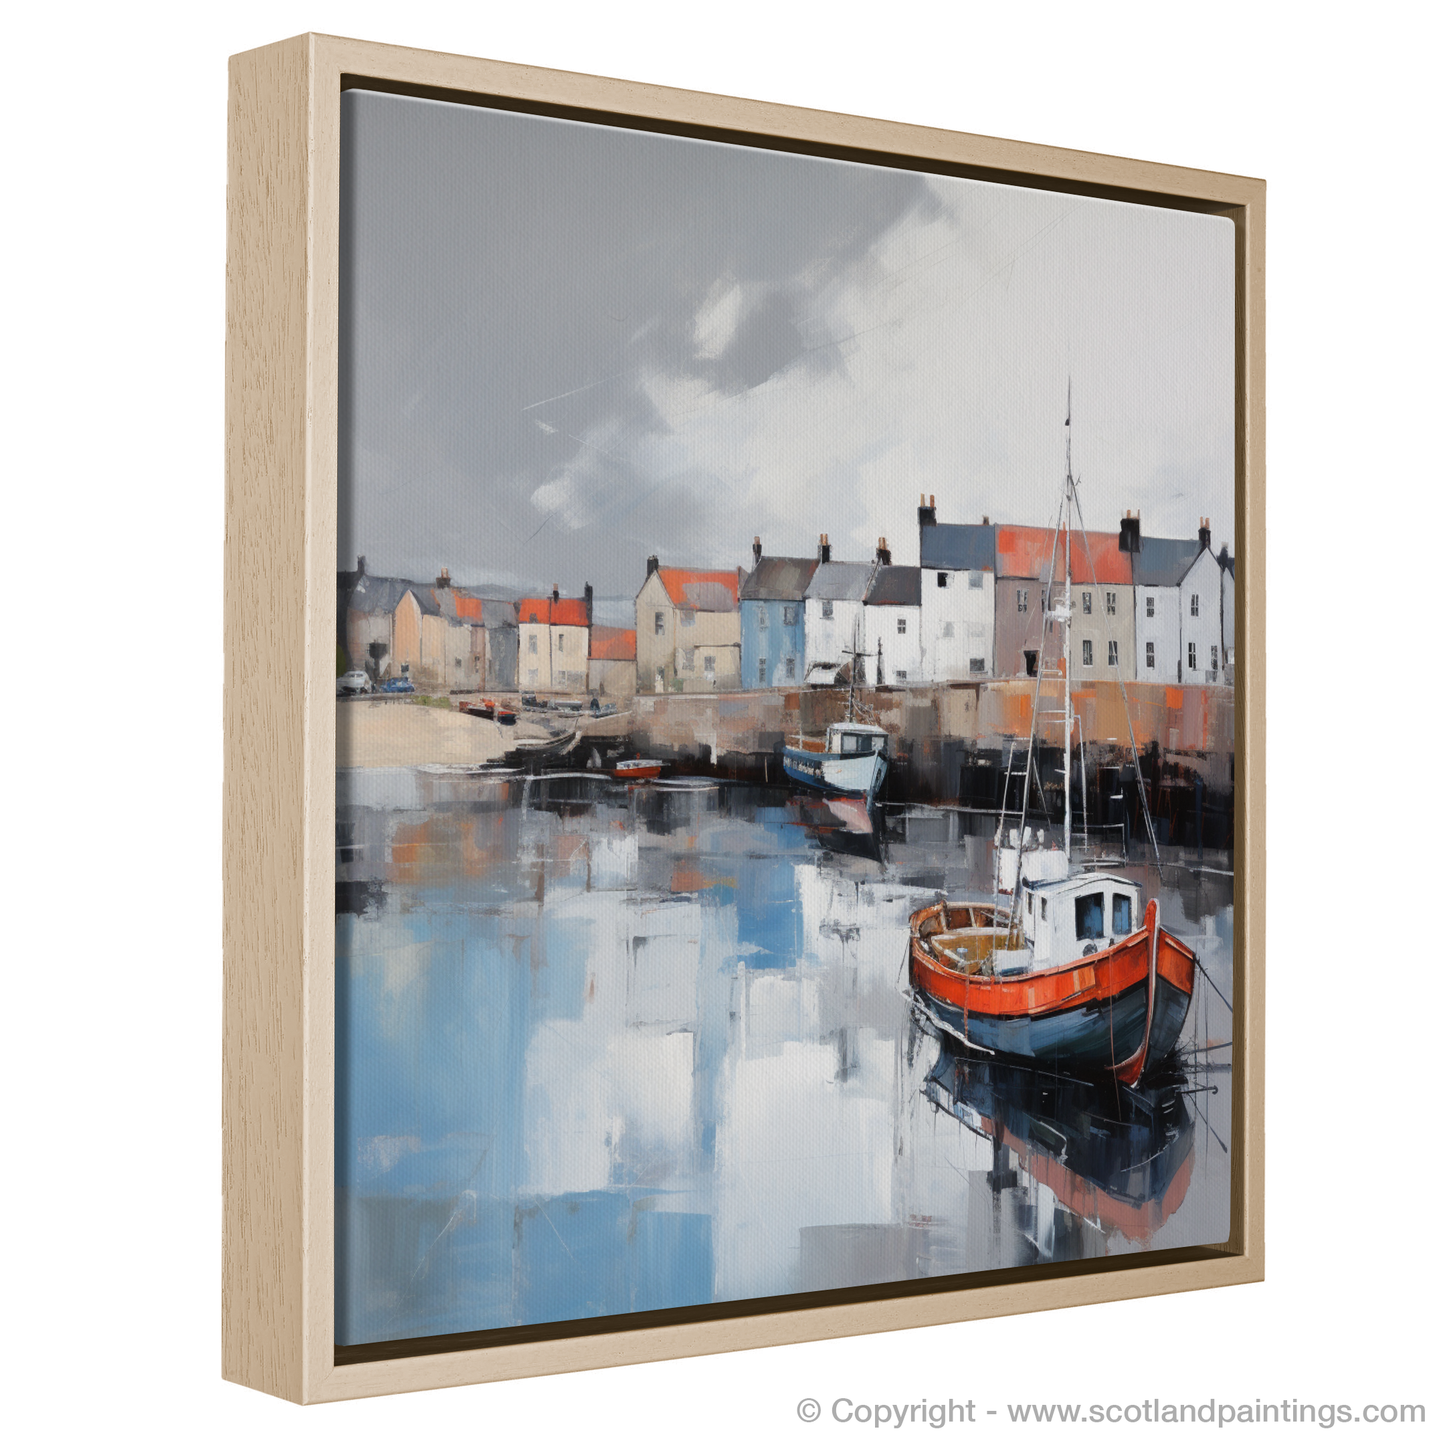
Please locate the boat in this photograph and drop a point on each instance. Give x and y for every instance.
(504, 715)
(851, 760)
(1072, 973)
(636, 769)
(478, 707)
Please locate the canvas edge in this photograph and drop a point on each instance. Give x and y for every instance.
(278, 1287)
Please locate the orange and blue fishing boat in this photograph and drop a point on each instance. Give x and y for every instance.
(1071, 973)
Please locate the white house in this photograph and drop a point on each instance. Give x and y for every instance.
(893, 624)
(956, 597)
(833, 616)
(1201, 629)
(1159, 568)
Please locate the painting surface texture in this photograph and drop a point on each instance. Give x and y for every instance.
(785, 716)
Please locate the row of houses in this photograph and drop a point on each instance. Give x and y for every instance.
(982, 603)
(454, 639)
(978, 605)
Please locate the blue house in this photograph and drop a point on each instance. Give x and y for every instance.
(770, 604)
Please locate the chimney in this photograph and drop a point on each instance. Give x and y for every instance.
(927, 515)
(587, 601)
(757, 550)
(652, 564)
(825, 552)
(1204, 534)
(361, 566)
(555, 593)
(444, 578)
(885, 557)
(985, 521)
(1129, 532)
(1224, 555)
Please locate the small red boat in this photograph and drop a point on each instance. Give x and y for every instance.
(635, 769)
(478, 707)
(1074, 981)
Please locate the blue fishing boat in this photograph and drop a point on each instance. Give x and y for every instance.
(852, 760)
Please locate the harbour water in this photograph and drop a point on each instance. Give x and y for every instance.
(604, 1049)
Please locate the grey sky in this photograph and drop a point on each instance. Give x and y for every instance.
(567, 346)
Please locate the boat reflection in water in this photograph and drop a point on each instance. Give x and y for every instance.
(1114, 1157)
(840, 824)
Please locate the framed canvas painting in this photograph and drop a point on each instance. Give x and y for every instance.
(746, 850)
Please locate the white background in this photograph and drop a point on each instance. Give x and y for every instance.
(114, 249)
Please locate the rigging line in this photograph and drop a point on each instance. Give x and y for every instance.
(1123, 691)
(1033, 728)
(562, 395)
(1133, 746)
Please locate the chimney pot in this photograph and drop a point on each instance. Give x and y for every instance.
(555, 593)
(757, 550)
(652, 564)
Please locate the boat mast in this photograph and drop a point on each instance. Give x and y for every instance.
(1068, 608)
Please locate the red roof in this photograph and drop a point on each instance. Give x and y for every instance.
(614, 644)
(699, 590)
(564, 612)
(1025, 552)
(468, 607)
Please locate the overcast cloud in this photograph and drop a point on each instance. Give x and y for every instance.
(565, 347)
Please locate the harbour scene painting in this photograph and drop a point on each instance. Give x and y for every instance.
(785, 655)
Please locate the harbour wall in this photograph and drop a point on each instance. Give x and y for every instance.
(964, 745)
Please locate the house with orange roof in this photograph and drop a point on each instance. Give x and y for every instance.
(553, 642)
(1024, 557)
(1101, 627)
(612, 662)
(689, 636)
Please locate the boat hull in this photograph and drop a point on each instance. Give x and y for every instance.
(1119, 1011)
(852, 775)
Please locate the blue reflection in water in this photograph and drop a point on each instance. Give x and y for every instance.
(603, 1050)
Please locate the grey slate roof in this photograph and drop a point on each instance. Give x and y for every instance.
(896, 587)
(379, 594)
(957, 547)
(778, 579)
(1163, 561)
(840, 581)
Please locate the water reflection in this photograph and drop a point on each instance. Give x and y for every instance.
(607, 1047)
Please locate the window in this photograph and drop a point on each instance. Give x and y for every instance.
(659, 624)
(790, 617)
(975, 664)
(1214, 659)
(1193, 661)
(1110, 600)
(1089, 916)
(1031, 662)
(975, 581)
(532, 642)
(1113, 654)
(762, 669)
(1043, 910)
(790, 668)
(709, 665)
(533, 617)
(902, 626)
(1123, 914)
(1088, 601)
(900, 676)
(561, 638)
(1022, 599)
(943, 579)
(688, 657)
(1148, 607)
(828, 611)
(689, 617)
(762, 619)
(947, 630)
(1148, 654)
(1088, 657)
(1194, 605)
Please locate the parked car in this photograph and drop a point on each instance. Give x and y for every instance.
(397, 684)
(352, 682)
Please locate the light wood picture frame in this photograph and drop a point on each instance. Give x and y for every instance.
(282, 367)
